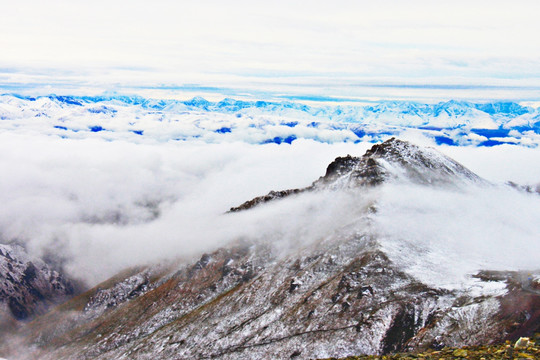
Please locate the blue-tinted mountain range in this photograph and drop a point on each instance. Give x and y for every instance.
(451, 122)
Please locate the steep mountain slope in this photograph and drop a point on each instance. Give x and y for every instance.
(28, 285)
(338, 293)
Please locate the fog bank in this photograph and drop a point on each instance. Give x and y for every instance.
(104, 205)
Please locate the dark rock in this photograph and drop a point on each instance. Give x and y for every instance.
(293, 285)
(365, 291)
(401, 330)
(272, 195)
(340, 166)
(18, 310)
(295, 354)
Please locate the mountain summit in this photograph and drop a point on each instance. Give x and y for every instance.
(392, 160)
(396, 159)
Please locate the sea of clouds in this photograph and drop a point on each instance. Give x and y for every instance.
(108, 204)
(102, 203)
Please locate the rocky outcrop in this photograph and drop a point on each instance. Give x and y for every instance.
(272, 195)
(28, 285)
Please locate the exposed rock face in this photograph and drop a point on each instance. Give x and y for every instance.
(339, 295)
(28, 285)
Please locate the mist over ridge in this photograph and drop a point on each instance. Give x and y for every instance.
(397, 229)
(117, 201)
(269, 180)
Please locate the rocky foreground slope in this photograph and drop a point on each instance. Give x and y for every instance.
(335, 296)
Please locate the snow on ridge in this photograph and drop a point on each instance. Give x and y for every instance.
(137, 119)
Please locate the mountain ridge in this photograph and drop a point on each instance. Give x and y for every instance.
(338, 295)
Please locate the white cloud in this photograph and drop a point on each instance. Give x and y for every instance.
(70, 194)
(443, 236)
(90, 200)
(500, 163)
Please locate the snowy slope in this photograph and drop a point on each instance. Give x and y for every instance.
(370, 280)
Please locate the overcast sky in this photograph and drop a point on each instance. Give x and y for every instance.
(333, 48)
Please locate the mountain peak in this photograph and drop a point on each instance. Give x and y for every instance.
(396, 159)
(392, 160)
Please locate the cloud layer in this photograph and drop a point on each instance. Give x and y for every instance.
(441, 236)
(106, 184)
(104, 205)
(118, 203)
(146, 120)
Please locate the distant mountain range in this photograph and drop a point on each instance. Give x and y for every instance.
(138, 118)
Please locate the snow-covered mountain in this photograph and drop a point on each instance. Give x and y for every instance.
(349, 287)
(392, 161)
(140, 119)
